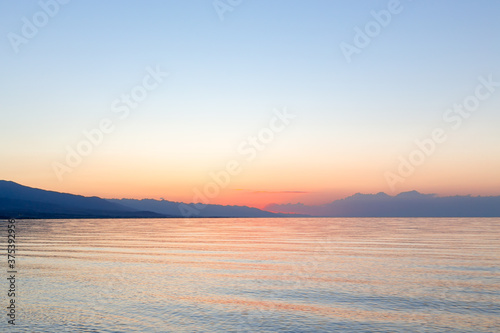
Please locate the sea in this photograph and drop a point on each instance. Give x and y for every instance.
(254, 275)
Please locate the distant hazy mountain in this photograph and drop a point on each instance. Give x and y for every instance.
(17, 201)
(191, 210)
(406, 204)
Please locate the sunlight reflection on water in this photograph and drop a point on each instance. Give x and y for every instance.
(259, 275)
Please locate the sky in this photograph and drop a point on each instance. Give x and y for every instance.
(250, 102)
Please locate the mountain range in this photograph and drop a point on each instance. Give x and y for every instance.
(18, 201)
(195, 210)
(405, 204)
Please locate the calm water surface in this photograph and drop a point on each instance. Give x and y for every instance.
(257, 275)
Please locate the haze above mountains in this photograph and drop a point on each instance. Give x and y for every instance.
(18, 201)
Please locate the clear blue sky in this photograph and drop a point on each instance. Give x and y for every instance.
(226, 77)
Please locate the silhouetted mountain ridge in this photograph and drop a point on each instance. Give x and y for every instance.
(405, 204)
(194, 210)
(18, 201)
